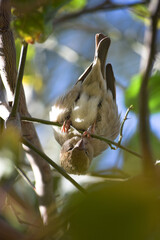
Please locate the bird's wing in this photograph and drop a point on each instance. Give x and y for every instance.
(110, 79)
(61, 109)
(85, 74)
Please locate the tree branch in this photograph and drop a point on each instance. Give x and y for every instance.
(106, 5)
(8, 74)
(8, 70)
(118, 145)
(19, 79)
(144, 127)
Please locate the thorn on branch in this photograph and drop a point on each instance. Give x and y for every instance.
(111, 147)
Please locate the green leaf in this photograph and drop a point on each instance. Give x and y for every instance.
(35, 81)
(132, 93)
(141, 13)
(32, 20)
(75, 4)
(30, 26)
(59, 3)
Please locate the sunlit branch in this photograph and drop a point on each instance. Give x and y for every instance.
(19, 79)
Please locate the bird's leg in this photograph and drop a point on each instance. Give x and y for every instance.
(89, 131)
(66, 126)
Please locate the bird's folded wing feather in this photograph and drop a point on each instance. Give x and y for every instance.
(101, 50)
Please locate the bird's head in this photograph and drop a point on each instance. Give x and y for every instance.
(76, 155)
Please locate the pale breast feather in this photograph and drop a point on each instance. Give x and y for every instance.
(57, 113)
(84, 111)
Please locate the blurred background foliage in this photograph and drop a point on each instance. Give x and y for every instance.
(59, 51)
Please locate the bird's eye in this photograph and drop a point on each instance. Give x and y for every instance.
(86, 153)
(70, 148)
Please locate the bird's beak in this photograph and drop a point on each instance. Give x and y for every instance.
(80, 145)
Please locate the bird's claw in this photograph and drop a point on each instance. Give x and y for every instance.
(90, 130)
(66, 126)
(86, 134)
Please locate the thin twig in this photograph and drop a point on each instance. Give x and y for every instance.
(37, 120)
(108, 177)
(53, 164)
(114, 173)
(110, 143)
(144, 127)
(27, 180)
(19, 79)
(122, 125)
(106, 5)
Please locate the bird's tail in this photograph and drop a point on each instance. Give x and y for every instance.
(102, 44)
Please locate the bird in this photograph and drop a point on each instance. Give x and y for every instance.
(89, 106)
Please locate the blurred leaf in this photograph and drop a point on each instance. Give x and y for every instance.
(6, 163)
(33, 19)
(124, 210)
(30, 76)
(141, 12)
(154, 90)
(76, 4)
(35, 81)
(132, 164)
(10, 153)
(30, 26)
(59, 3)
(132, 93)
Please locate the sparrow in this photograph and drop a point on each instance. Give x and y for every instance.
(90, 106)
